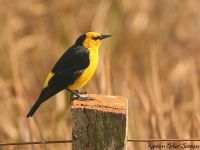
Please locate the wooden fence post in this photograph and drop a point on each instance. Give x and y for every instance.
(100, 124)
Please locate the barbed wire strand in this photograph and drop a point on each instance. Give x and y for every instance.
(163, 140)
(129, 140)
(38, 142)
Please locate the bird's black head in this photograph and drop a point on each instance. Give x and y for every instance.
(81, 39)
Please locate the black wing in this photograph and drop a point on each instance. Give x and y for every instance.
(68, 68)
(76, 58)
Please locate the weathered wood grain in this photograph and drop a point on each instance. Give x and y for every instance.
(99, 124)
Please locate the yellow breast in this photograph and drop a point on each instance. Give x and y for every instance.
(88, 72)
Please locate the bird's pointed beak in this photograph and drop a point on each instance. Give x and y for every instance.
(104, 36)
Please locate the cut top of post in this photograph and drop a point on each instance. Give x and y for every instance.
(104, 103)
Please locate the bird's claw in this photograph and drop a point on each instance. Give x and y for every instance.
(76, 95)
(80, 98)
(81, 92)
(85, 98)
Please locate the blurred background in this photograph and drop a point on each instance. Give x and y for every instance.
(152, 59)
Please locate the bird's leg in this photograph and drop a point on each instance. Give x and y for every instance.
(81, 92)
(76, 95)
(84, 98)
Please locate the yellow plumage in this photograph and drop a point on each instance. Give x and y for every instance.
(93, 56)
(88, 72)
(73, 70)
(50, 75)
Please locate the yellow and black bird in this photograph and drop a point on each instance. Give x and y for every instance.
(73, 70)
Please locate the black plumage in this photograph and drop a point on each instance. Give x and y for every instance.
(73, 70)
(68, 68)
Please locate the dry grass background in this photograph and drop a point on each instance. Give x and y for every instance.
(153, 59)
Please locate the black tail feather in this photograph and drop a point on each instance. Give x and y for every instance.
(45, 94)
(34, 108)
(43, 97)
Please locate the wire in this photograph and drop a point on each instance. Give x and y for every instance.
(163, 140)
(70, 141)
(38, 142)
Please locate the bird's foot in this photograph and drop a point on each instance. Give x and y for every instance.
(76, 95)
(72, 96)
(81, 98)
(81, 92)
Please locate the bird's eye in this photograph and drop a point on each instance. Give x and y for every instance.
(95, 38)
